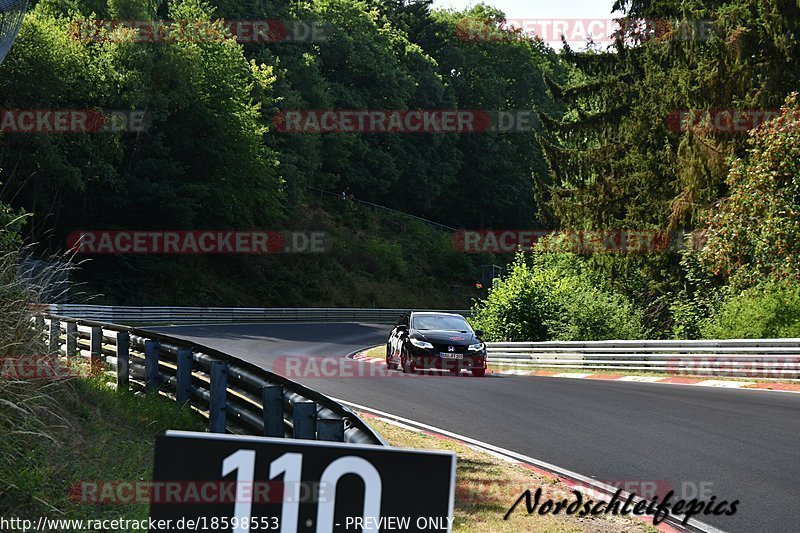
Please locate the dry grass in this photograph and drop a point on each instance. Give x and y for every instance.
(486, 487)
(28, 411)
(55, 433)
(377, 352)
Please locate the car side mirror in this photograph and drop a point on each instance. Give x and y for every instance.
(479, 333)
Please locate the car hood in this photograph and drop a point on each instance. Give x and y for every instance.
(446, 337)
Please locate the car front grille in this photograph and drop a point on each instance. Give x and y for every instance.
(446, 348)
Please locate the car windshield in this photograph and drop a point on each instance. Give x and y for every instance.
(441, 323)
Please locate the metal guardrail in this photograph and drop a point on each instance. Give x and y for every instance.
(223, 315)
(235, 396)
(11, 14)
(767, 358)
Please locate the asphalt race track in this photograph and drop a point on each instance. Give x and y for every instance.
(733, 444)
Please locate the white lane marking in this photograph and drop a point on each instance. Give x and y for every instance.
(585, 482)
(641, 379)
(496, 455)
(401, 425)
(724, 384)
(571, 375)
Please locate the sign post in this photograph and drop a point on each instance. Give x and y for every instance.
(205, 481)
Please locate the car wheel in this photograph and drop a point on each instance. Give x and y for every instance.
(478, 372)
(455, 371)
(407, 363)
(390, 364)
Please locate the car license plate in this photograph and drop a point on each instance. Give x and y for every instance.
(446, 355)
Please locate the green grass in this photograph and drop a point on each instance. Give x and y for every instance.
(56, 434)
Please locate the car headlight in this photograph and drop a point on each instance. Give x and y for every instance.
(421, 344)
(475, 347)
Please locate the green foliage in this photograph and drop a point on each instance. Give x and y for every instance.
(211, 159)
(755, 232)
(16, 293)
(387, 257)
(588, 313)
(202, 161)
(70, 431)
(517, 306)
(11, 224)
(555, 297)
(766, 311)
(605, 154)
(376, 259)
(619, 157)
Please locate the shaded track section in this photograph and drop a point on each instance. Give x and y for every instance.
(734, 444)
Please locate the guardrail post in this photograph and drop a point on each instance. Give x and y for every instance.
(72, 339)
(96, 350)
(331, 429)
(123, 361)
(272, 402)
(304, 418)
(55, 336)
(219, 390)
(150, 365)
(183, 394)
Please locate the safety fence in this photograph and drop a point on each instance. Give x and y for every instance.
(236, 396)
(766, 358)
(223, 315)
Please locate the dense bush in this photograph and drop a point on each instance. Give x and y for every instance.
(766, 311)
(555, 297)
(755, 232)
(698, 298)
(516, 307)
(743, 282)
(16, 336)
(10, 224)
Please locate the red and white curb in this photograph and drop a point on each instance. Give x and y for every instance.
(585, 485)
(362, 356)
(668, 380)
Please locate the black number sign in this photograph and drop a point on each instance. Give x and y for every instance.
(204, 481)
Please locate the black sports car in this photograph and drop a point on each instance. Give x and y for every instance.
(436, 340)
